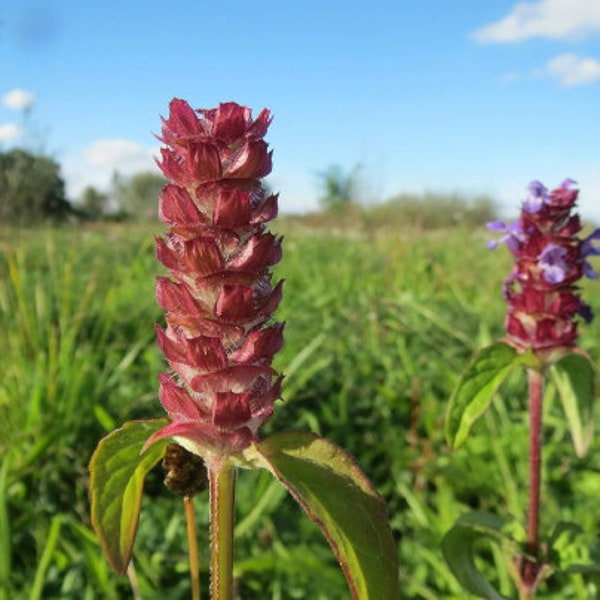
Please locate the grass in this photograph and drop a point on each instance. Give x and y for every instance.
(379, 324)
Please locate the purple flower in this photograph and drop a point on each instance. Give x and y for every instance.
(513, 235)
(567, 184)
(588, 249)
(551, 261)
(538, 196)
(586, 312)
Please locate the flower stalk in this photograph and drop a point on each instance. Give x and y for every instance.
(544, 309)
(531, 566)
(222, 502)
(219, 299)
(219, 341)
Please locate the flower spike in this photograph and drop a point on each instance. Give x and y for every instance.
(541, 291)
(219, 297)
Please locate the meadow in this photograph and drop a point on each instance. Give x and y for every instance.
(380, 322)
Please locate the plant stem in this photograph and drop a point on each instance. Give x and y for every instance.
(193, 546)
(133, 582)
(530, 566)
(222, 498)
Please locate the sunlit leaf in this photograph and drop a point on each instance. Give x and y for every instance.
(573, 376)
(458, 548)
(117, 472)
(476, 388)
(339, 498)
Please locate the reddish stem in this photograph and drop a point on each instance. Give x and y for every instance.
(222, 499)
(530, 566)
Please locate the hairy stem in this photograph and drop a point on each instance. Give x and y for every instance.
(222, 498)
(193, 546)
(530, 566)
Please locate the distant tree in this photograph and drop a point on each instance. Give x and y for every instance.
(31, 189)
(482, 210)
(93, 203)
(137, 196)
(338, 187)
(434, 210)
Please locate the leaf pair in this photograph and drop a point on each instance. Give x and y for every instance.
(567, 551)
(573, 375)
(321, 476)
(459, 545)
(573, 378)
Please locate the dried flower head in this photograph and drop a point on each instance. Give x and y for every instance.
(185, 472)
(541, 291)
(219, 297)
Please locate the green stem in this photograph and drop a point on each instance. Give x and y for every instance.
(222, 498)
(133, 581)
(193, 546)
(531, 566)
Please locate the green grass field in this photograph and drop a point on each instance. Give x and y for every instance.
(379, 325)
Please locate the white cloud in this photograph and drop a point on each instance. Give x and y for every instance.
(590, 192)
(120, 155)
(554, 19)
(95, 165)
(9, 131)
(572, 70)
(18, 99)
(511, 77)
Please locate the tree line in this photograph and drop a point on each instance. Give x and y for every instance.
(32, 191)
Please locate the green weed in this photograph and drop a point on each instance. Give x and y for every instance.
(379, 324)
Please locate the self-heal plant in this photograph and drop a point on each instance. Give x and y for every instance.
(219, 341)
(544, 307)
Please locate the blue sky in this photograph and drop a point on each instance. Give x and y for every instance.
(426, 95)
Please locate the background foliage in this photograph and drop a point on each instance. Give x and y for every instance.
(136, 196)
(31, 189)
(380, 322)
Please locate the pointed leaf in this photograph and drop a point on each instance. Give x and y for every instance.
(339, 498)
(573, 376)
(458, 550)
(476, 388)
(117, 472)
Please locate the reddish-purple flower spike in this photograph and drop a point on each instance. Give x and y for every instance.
(219, 298)
(542, 293)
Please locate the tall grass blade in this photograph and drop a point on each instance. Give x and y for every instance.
(5, 543)
(46, 558)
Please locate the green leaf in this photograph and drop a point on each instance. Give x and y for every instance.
(573, 376)
(458, 550)
(476, 388)
(117, 472)
(339, 498)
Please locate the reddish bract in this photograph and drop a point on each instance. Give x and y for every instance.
(219, 296)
